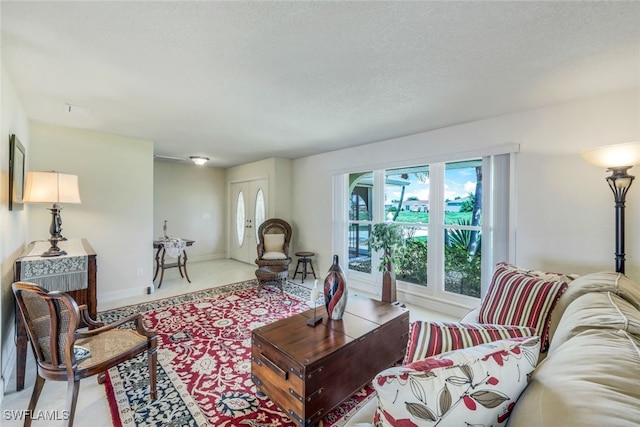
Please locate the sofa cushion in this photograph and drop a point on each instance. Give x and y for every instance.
(596, 310)
(590, 380)
(428, 339)
(273, 242)
(521, 297)
(473, 386)
(548, 276)
(606, 281)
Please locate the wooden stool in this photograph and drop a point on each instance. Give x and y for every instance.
(304, 258)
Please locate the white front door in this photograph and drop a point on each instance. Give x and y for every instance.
(249, 207)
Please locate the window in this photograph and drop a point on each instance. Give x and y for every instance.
(463, 227)
(360, 220)
(240, 218)
(407, 204)
(455, 221)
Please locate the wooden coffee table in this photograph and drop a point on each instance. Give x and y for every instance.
(308, 371)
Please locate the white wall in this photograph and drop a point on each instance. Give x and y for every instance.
(565, 210)
(13, 120)
(116, 187)
(278, 171)
(193, 200)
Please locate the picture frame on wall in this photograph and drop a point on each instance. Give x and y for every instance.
(17, 157)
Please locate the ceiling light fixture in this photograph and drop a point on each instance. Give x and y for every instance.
(199, 160)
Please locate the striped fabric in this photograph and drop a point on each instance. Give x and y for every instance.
(523, 298)
(428, 339)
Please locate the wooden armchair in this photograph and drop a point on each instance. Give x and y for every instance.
(63, 352)
(273, 249)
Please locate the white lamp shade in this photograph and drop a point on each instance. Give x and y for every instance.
(612, 156)
(51, 187)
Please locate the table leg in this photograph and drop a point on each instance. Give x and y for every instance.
(180, 266)
(162, 268)
(157, 263)
(184, 265)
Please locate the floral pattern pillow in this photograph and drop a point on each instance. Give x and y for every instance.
(473, 386)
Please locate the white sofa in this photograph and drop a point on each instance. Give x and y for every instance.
(590, 375)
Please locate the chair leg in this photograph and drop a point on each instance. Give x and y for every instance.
(72, 398)
(297, 270)
(153, 369)
(37, 389)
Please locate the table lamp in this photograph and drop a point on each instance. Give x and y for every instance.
(617, 159)
(52, 187)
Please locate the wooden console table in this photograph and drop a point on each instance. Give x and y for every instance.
(85, 295)
(308, 371)
(162, 266)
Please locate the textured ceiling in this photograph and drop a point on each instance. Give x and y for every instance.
(243, 81)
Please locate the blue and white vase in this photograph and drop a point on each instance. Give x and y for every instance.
(335, 291)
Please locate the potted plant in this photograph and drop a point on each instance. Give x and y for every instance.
(387, 237)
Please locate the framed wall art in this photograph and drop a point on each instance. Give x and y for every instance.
(16, 173)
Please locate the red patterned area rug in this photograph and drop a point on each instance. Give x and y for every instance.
(204, 361)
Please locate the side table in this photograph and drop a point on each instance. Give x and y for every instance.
(162, 266)
(85, 295)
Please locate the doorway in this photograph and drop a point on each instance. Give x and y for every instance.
(249, 210)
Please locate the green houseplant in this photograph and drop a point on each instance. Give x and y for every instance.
(387, 237)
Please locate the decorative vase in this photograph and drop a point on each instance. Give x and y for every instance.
(335, 291)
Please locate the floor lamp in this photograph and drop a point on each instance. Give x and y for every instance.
(617, 159)
(56, 188)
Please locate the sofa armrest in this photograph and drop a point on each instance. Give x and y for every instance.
(471, 317)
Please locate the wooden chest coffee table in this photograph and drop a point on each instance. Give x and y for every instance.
(307, 371)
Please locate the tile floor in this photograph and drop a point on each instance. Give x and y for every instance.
(92, 408)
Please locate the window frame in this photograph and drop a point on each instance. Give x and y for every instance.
(492, 252)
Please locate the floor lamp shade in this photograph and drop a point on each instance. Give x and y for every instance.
(617, 159)
(55, 188)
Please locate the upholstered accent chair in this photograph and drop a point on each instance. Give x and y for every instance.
(273, 248)
(68, 345)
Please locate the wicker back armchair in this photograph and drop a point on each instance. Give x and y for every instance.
(63, 352)
(273, 248)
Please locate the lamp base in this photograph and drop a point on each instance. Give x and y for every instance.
(52, 253)
(54, 250)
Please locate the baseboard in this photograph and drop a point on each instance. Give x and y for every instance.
(126, 293)
(9, 359)
(206, 257)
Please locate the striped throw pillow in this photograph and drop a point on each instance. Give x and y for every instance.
(522, 297)
(428, 339)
